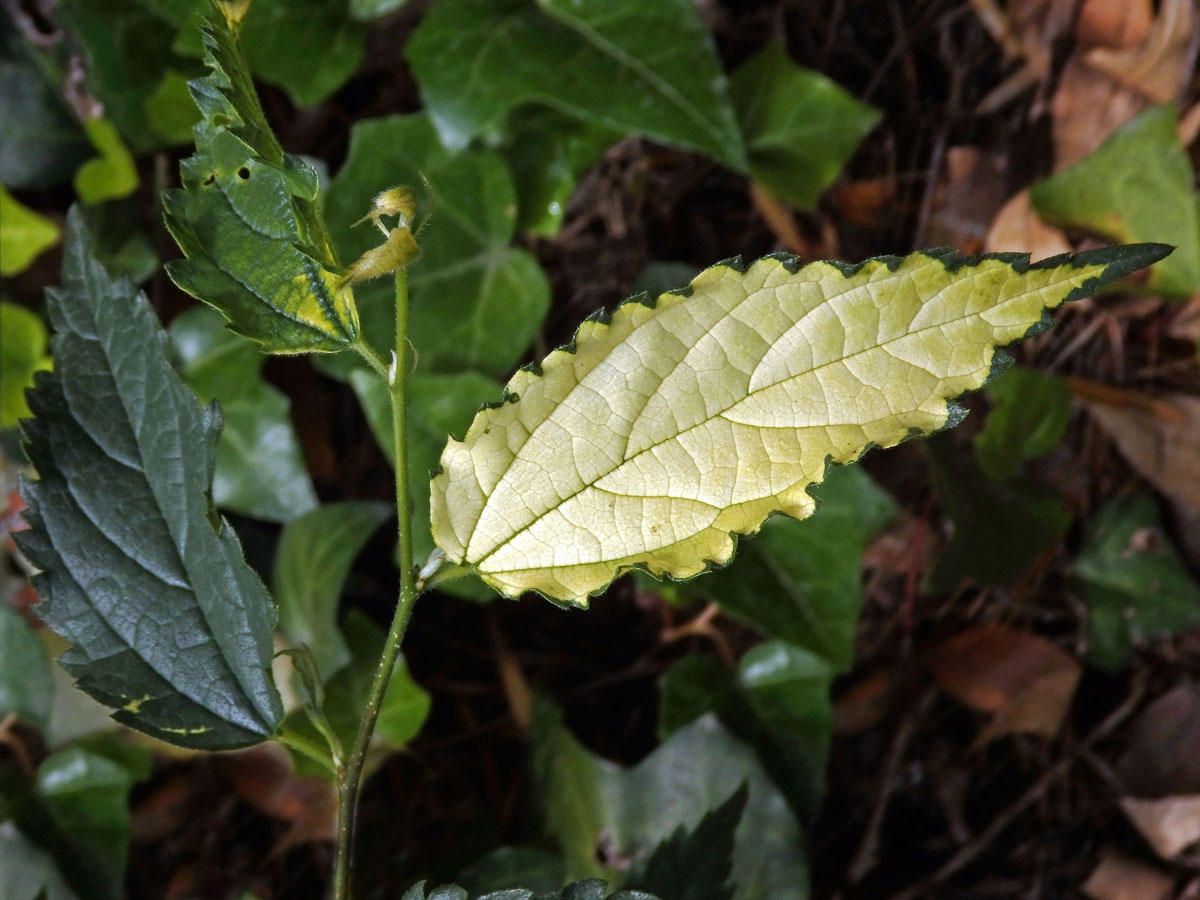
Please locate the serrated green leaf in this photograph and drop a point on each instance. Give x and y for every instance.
(260, 465)
(648, 68)
(1000, 528)
(22, 352)
(311, 564)
(477, 302)
(801, 581)
(170, 627)
(24, 235)
(588, 802)
(248, 219)
(670, 427)
(777, 700)
(1137, 186)
(26, 685)
(112, 174)
(43, 141)
(514, 868)
(800, 128)
(695, 864)
(1136, 587)
(1029, 415)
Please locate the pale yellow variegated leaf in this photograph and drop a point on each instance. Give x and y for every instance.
(678, 423)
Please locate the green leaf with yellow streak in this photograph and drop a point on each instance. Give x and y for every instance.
(671, 426)
(248, 220)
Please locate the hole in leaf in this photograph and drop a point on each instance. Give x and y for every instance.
(212, 176)
(243, 173)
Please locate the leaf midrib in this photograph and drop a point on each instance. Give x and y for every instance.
(706, 420)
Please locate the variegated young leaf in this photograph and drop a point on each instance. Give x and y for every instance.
(248, 220)
(668, 428)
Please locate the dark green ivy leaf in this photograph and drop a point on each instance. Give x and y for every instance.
(631, 66)
(170, 627)
(1136, 587)
(248, 220)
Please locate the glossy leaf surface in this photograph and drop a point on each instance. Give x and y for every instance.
(1137, 186)
(26, 685)
(800, 128)
(671, 426)
(648, 68)
(1136, 586)
(260, 465)
(248, 221)
(22, 352)
(169, 625)
(590, 802)
(24, 234)
(314, 556)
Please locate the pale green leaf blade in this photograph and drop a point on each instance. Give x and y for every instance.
(260, 465)
(800, 128)
(26, 683)
(112, 174)
(1136, 586)
(648, 68)
(22, 352)
(311, 564)
(670, 427)
(1137, 186)
(170, 627)
(248, 221)
(24, 235)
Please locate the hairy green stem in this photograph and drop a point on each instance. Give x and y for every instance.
(350, 778)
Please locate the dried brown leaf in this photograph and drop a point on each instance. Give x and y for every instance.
(1018, 227)
(1118, 24)
(1161, 440)
(1120, 878)
(1162, 758)
(1025, 681)
(1170, 825)
(1160, 65)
